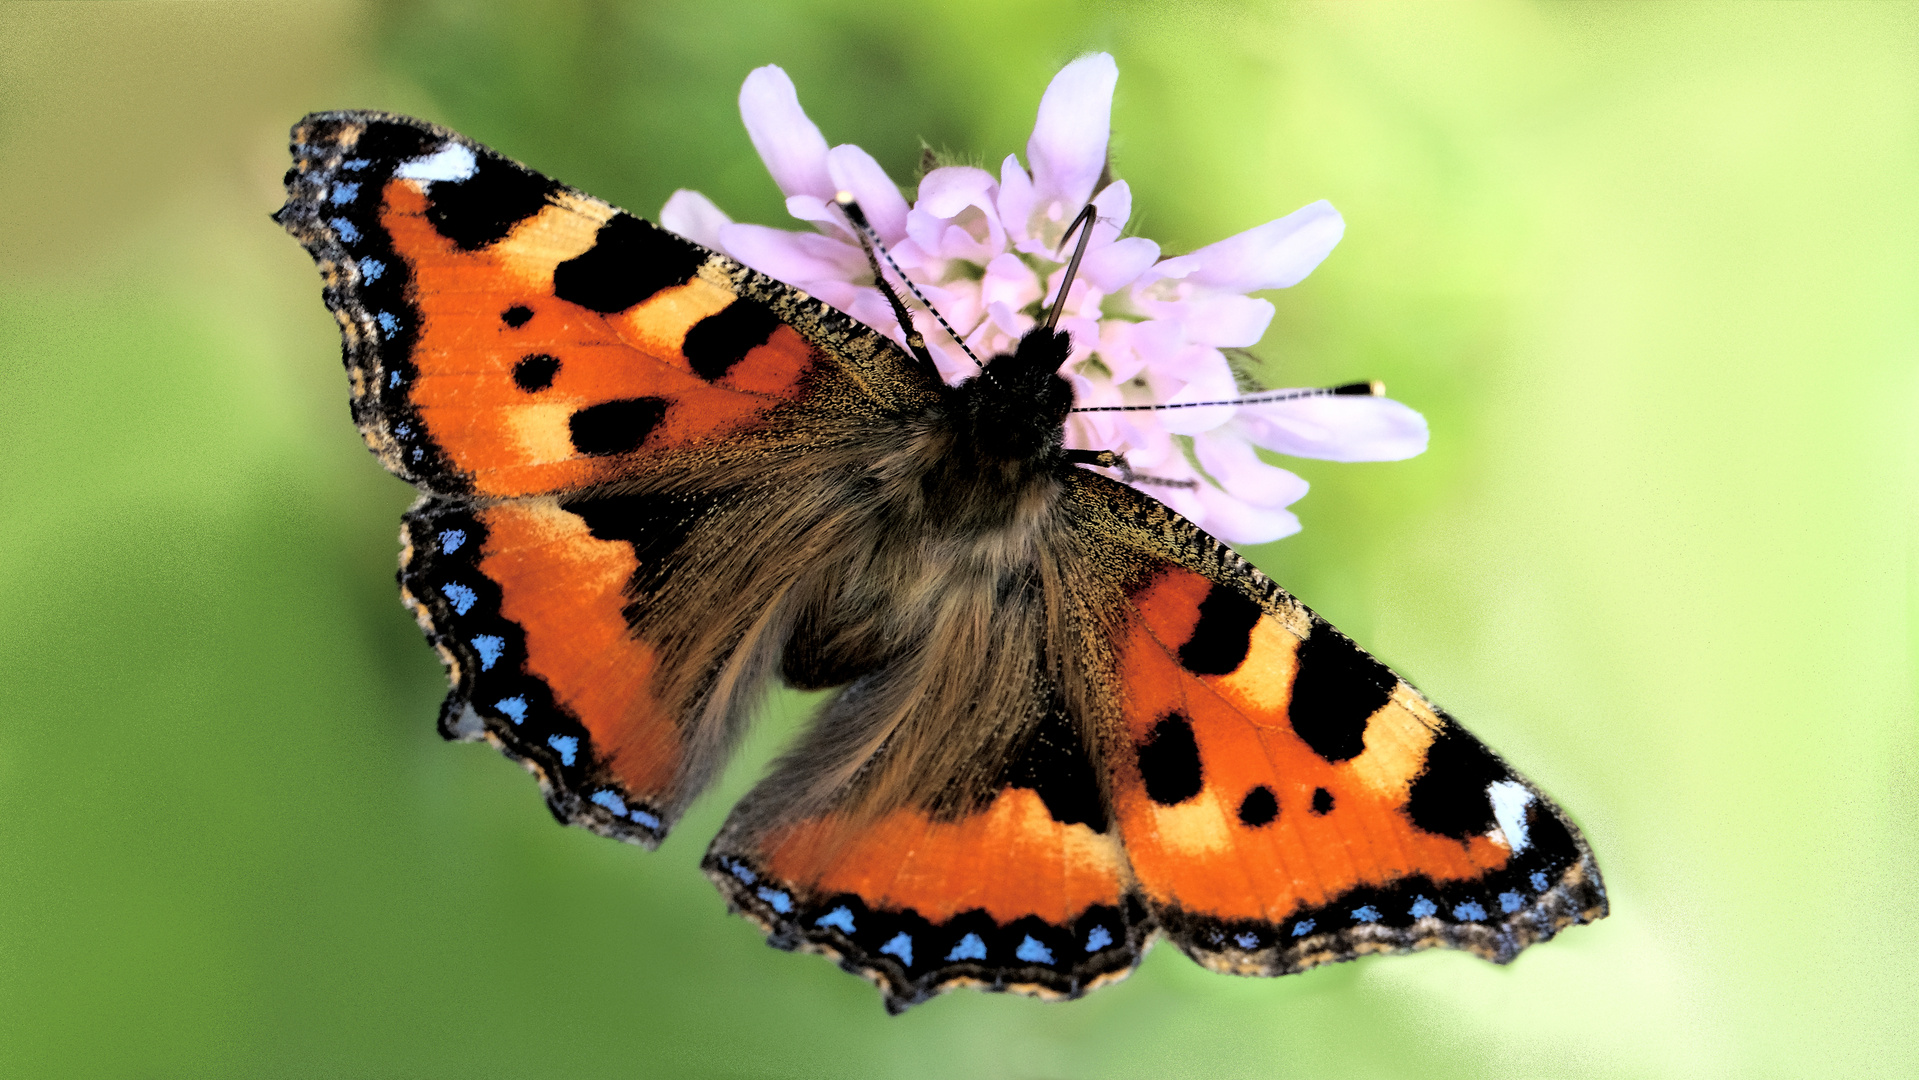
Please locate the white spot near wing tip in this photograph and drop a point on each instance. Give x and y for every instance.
(454, 163)
(1510, 800)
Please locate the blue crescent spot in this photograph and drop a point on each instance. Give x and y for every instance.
(775, 899)
(740, 870)
(1423, 907)
(1302, 927)
(607, 798)
(645, 819)
(461, 597)
(1510, 902)
(1033, 952)
(1539, 881)
(840, 918)
(404, 431)
(370, 270)
(970, 947)
(1470, 910)
(344, 193)
(451, 539)
(354, 164)
(513, 708)
(1245, 940)
(348, 233)
(387, 322)
(490, 649)
(901, 946)
(1098, 938)
(418, 453)
(393, 379)
(1369, 913)
(567, 745)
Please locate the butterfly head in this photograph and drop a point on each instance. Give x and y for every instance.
(1015, 409)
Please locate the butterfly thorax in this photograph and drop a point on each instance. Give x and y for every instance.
(994, 452)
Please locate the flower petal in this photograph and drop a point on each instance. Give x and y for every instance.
(694, 216)
(789, 143)
(854, 170)
(1335, 428)
(1118, 264)
(1114, 205)
(1229, 459)
(1008, 281)
(1236, 522)
(1208, 377)
(1068, 148)
(792, 257)
(940, 223)
(1272, 256)
(1116, 350)
(1228, 321)
(818, 211)
(1016, 198)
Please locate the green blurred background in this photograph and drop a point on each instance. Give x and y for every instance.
(1648, 270)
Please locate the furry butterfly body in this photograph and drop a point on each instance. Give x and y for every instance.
(1066, 720)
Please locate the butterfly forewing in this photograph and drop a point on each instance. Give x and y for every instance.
(597, 408)
(1286, 800)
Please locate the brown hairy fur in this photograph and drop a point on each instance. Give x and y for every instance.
(936, 595)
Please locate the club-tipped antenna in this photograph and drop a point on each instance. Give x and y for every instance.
(1083, 221)
(1374, 388)
(870, 242)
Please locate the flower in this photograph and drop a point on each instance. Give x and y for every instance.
(986, 253)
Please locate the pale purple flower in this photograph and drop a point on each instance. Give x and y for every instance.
(985, 251)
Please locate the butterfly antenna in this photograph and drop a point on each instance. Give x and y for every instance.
(1375, 388)
(870, 242)
(1084, 219)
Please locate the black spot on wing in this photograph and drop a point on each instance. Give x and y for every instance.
(1224, 634)
(1169, 761)
(516, 316)
(386, 144)
(534, 373)
(615, 427)
(1449, 795)
(1054, 764)
(629, 261)
(1336, 689)
(656, 526)
(1259, 807)
(723, 339)
(484, 207)
(1322, 802)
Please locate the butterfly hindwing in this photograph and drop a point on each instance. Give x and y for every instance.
(943, 822)
(1286, 800)
(526, 604)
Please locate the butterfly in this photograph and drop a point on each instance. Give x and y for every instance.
(1064, 720)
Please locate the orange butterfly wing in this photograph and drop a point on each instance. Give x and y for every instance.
(564, 380)
(1286, 800)
(1027, 891)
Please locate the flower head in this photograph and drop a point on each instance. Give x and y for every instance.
(985, 251)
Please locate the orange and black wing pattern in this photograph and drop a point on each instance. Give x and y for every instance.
(578, 394)
(1285, 800)
(1023, 887)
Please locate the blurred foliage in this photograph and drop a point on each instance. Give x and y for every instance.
(1648, 271)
